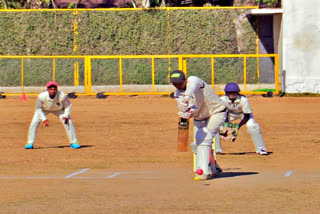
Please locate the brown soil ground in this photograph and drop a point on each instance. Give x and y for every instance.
(130, 164)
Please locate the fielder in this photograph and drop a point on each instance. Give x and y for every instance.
(57, 103)
(195, 98)
(238, 108)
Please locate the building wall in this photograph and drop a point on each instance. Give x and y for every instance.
(301, 45)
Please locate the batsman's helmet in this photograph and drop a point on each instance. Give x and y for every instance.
(232, 87)
(177, 76)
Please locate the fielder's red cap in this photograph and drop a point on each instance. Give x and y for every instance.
(52, 83)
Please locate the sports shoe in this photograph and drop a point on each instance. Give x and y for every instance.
(28, 146)
(219, 152)
(219, 171)
(75, 145)
(262, 152)
(202, 177)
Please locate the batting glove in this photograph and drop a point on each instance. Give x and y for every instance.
(182, 105)
(187, 114)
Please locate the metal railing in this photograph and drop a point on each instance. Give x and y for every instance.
(83, 84)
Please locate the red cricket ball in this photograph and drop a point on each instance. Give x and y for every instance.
(199, 171)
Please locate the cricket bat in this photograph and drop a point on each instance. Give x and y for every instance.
(183, 135)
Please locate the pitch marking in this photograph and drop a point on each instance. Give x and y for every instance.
(114, 175)
(288, 173)
(76, 173)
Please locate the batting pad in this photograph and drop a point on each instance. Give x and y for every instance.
(205, 159)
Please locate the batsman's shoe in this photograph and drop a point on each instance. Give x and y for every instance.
(262, 152)
(28, 146)
(75, 146)
(219, 151)
(202, 177)
(218, 171)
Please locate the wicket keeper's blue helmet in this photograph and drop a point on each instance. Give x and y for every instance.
(232, 87)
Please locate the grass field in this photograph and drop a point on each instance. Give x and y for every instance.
(129, 162)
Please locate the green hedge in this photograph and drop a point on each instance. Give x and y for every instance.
(123, 32)
(141, 32)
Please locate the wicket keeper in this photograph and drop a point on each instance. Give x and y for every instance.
(238, 108)
(57, 103)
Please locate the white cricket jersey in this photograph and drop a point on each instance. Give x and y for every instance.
(58, 103)
(203, 97)
(239, 106)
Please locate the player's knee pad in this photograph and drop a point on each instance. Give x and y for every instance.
(254, 128)
(203, 136)
(254, 131)
(205, 159)
(193, 147)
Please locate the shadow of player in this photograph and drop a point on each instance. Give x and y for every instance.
(232, 174)
(242, 153)
(235, 174)
(61, 147)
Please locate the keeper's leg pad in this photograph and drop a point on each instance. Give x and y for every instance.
(217, 144)
(254, 131)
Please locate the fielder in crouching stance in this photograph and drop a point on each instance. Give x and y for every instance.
(238, 108)
(196, 99)
(55, 102)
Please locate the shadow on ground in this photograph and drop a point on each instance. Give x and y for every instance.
(242, 153)
(61, 147)
(234, 174)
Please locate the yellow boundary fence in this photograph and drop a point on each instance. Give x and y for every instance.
(182, 60)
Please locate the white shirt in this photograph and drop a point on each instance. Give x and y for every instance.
(239, 106)
(203, 97)
(58, 103)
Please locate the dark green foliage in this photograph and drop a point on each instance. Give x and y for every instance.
(143, 32)
(65, 71)
(163, 67)
(105, 72)
(36, 33)
(10, 72)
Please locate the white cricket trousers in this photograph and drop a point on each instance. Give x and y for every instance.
(71, 131)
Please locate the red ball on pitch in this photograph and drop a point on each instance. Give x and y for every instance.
(199, 171)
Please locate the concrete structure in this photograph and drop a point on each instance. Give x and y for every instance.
(296, 37)
(301, 45)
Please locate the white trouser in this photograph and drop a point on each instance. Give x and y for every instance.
(71, 132)
(212, 123)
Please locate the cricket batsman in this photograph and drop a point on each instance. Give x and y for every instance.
(57, 103)
(195, 98)
(238, 108)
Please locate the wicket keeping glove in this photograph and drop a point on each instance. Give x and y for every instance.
(235, 131)
(225, 129)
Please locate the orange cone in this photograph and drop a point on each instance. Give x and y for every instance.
(23, 97)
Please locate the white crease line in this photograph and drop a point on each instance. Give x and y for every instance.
(114, 175)
(7, 177)
(34, 177)
(288, 173)
(76, 173)
(142, 172)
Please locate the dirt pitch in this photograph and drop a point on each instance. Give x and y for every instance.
(129, 162)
